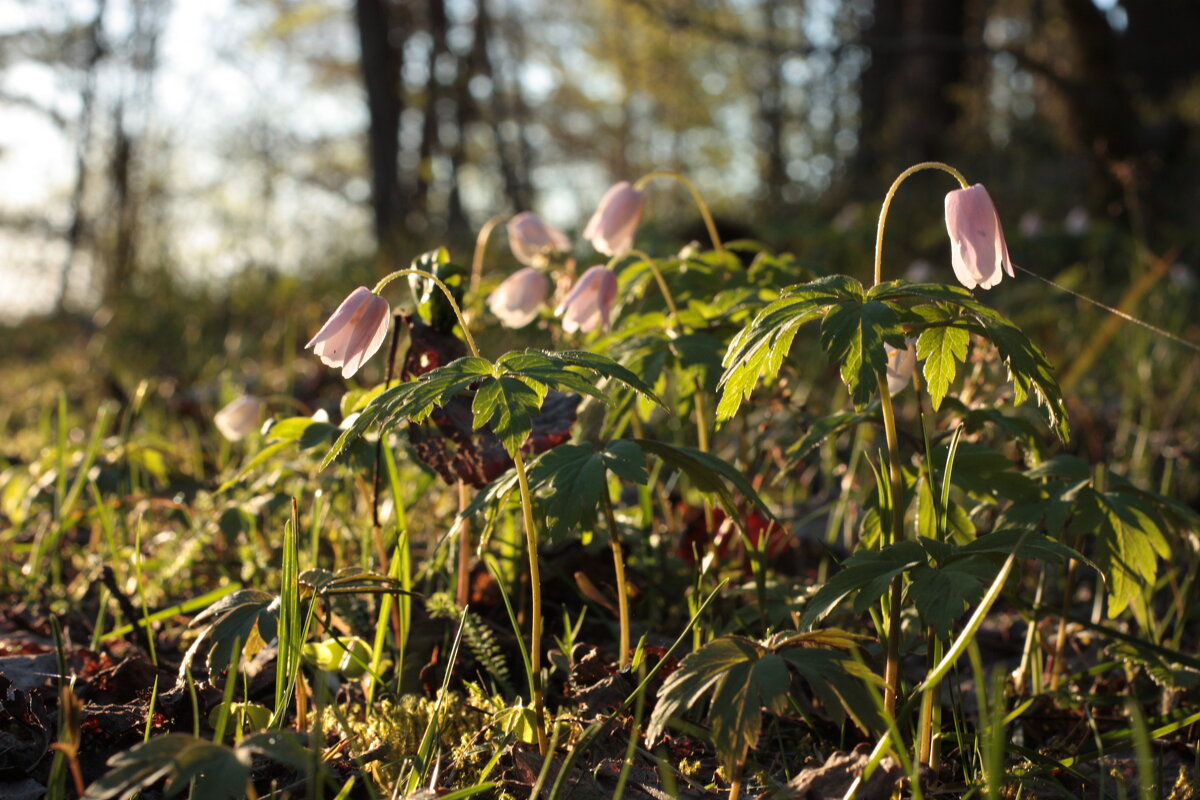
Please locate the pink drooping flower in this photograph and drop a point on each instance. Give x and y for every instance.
(515, 302)
(240, 418)
(530, 238)
(612, 228)
(901, 363)
(354, 332)
(977, 249)
(588, 304)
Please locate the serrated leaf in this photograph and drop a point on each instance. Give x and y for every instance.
(854, 334)
(248, 616)
(866, 574)
(941, 349)
(1127, 550)
(507, 405)
(608, 368)
(708, 473)
(571, 477)
(757, 351)
(942, 594)
(739, 678)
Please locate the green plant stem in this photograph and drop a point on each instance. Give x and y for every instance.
(480, 248)
(462, 322)
(891, 673)
(930, 707)
(887, 202)
(535, 587)
(462, 593)
(699, 198)
(892, 667)
(668, 298)
(614, 541)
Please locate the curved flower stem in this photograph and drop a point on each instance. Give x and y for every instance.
(462, 323)
(535, 586)
(887, 202)
(672, 309)
(480, 247)
(614, 538)
(892, 668)
(691, 187)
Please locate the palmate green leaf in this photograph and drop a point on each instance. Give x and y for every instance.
(708, 473)
(570, 478)
(218, 772)
(942, 594)
(940, 349)
(868, 573)
(543, 371)
(606, 367)
(756, 353)
(853, 333)
(507, 404)
(413, 400)
(248, 616)
(739, 678)
(1028, 366)
(1129, 544)
(838, 681)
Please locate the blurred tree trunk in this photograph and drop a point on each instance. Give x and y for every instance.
(508, 119)
(123, 211)
(83, 144)
(874, 91)
(381, 63)
(129, 189)
(1101, 113)
(771, 115)
(435, 19)
(918, 57)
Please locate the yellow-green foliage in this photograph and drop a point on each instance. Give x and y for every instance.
(397, 725)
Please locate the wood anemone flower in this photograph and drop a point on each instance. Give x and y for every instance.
(354, 332)
(240, 418)
(612, 228)
(978, 252)
(530, 238)
(515, 302)
(590, 301)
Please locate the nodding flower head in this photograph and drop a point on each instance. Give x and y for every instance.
(978, 252)
(354, 332)
(530, 238)
(612, 228)
(590, 301)
(240, 418)
(515, 302)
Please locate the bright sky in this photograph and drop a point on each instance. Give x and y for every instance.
(218, 86)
